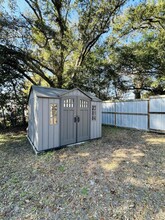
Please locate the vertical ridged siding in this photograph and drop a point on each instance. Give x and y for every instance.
(131, 114)
(157, 113)
(139, 114)
(48, 134)
(96, 130)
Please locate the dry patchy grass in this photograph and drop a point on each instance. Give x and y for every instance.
(121, 176)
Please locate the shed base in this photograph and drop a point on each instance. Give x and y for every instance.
(58, 148)
(35, 150)
(79, 143)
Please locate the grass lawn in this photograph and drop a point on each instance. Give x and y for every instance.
(121, 176)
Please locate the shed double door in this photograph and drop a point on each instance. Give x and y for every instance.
(75, 120)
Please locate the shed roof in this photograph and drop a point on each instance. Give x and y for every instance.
(49, 92)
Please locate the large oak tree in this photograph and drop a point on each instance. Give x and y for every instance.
(54, 37)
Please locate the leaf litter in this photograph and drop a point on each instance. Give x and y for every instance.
(120, 176)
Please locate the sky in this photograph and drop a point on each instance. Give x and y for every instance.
(23, 5)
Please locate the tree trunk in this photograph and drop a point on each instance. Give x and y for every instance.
(137, 94)
(23, 116)
(60, 81)
(4, 118)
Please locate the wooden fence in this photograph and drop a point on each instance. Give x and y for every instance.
(146, 114)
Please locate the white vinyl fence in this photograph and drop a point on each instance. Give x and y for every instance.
(140, 114)
(157, 113)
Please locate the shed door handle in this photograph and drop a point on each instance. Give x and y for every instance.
(76, 119)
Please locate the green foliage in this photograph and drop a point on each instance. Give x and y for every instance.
(54, 42)
(96, 74)
(89, 44)
(146, 15)
(84, 191)
(143, 63)
(61, 168)
(139, 55)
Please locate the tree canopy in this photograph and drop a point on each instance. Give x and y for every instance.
(55, 36)
(106, 47)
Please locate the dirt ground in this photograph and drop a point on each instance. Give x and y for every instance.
(121, 176)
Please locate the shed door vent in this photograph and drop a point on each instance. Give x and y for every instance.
(83, 103)
(68, 103)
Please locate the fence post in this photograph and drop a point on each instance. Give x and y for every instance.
(149, 113)
(115, 114)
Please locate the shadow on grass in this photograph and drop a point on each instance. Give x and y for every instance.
(126, 171)
(120, 176)
(132, 163)
(14, 143)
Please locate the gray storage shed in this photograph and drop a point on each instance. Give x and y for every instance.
(59, 117)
